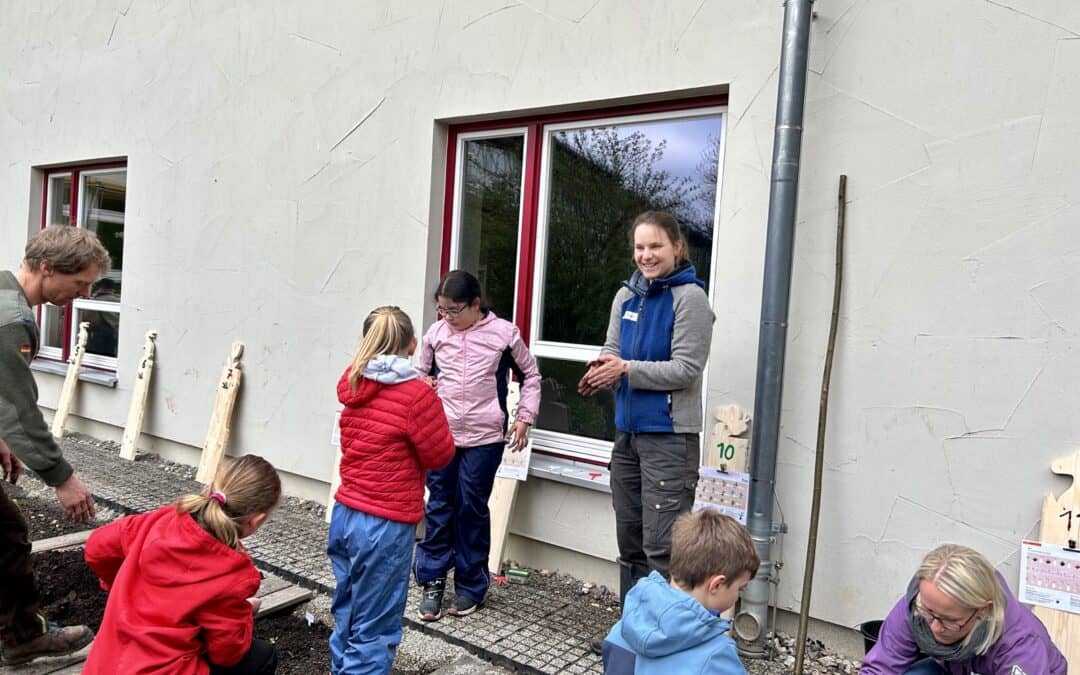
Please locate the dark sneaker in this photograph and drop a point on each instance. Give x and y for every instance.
(462, 606)
(596, 646)
(56, 642)
(431, 602)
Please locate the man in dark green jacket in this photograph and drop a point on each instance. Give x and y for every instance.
(59, 265)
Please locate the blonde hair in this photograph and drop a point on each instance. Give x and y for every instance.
(243, 487)
(966, 576)
(66, 249)
(387, 330)
(707, 542)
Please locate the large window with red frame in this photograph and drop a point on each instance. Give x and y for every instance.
(92, 197)
(539, 209)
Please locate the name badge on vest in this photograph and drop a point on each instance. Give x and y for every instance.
(629, 315)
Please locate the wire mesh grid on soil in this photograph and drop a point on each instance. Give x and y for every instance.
(542, 626)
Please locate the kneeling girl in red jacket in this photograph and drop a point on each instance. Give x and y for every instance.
(181, 586)
(393, 430)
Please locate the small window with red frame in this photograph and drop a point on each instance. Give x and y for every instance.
(94, 197)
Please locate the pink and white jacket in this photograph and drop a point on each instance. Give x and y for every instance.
(472, 367)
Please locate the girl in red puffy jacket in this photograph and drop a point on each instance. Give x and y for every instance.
(181, 586)
(393, 430)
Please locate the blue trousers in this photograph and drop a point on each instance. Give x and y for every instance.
(457, 530)
(370, 556)
(925, 667)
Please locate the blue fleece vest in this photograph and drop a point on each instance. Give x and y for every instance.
(645, 332)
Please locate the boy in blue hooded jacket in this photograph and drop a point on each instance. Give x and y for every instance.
(672, 626)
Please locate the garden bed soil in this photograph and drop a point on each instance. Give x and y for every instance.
(43, 513)
(71, 595)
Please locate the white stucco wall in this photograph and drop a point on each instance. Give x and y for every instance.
(285, 175)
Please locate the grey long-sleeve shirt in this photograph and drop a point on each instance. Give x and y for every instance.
(22, 425)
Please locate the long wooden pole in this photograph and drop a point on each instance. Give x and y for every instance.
(823, 413)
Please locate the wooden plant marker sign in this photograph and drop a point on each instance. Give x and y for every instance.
(139, 394)
(503, 494)
(67, 394)
(728, 448)
(335, 473)
(1060, 526)
(217, 436)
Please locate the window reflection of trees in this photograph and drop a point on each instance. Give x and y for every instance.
(491, 202)
(601, 178)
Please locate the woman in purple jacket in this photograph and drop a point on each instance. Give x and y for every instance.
(959, 617)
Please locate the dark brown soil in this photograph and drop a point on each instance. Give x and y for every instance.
(71, 595)
(45, 518)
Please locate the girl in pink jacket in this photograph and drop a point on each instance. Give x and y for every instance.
(469, 353)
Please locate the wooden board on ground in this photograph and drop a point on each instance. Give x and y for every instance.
(71, 381)
(1064, 627)
(57, 665)
(63, 541)
(138, 398)
(217, 436)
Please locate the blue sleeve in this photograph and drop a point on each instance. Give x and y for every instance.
(724, 661)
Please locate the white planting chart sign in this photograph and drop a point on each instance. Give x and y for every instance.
(514, 464)
(1050, 576)
(727, 492)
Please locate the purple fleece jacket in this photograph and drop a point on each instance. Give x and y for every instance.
(1024, 647)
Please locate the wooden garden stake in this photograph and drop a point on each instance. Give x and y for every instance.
(138, 399)
(1061, 526)
(67, 394)
(217, 436)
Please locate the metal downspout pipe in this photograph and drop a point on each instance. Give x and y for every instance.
(750, 622)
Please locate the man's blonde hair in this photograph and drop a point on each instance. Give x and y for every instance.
(707, 542)
(66, 249)
(966, 576)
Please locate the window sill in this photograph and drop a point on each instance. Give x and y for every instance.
(103, 378)
(570, 472)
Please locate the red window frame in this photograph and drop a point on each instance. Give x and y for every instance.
(76, 171)
(534, 139)
(531, 183)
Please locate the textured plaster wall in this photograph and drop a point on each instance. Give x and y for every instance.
(285, 176)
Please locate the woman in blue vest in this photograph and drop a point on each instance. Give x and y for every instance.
(657, 343)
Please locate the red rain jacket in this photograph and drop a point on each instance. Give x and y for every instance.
(177, 597)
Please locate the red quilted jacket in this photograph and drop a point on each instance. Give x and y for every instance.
(390, 435)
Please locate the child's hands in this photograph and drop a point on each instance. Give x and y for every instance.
(432, 382)
(518, 436)
(256, 603)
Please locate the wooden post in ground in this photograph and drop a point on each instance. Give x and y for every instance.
(503, 494)
(217, 436)
(139, 392)
(67, 394)
(1059, 529)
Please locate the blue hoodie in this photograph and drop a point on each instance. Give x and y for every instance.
(665, 631)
